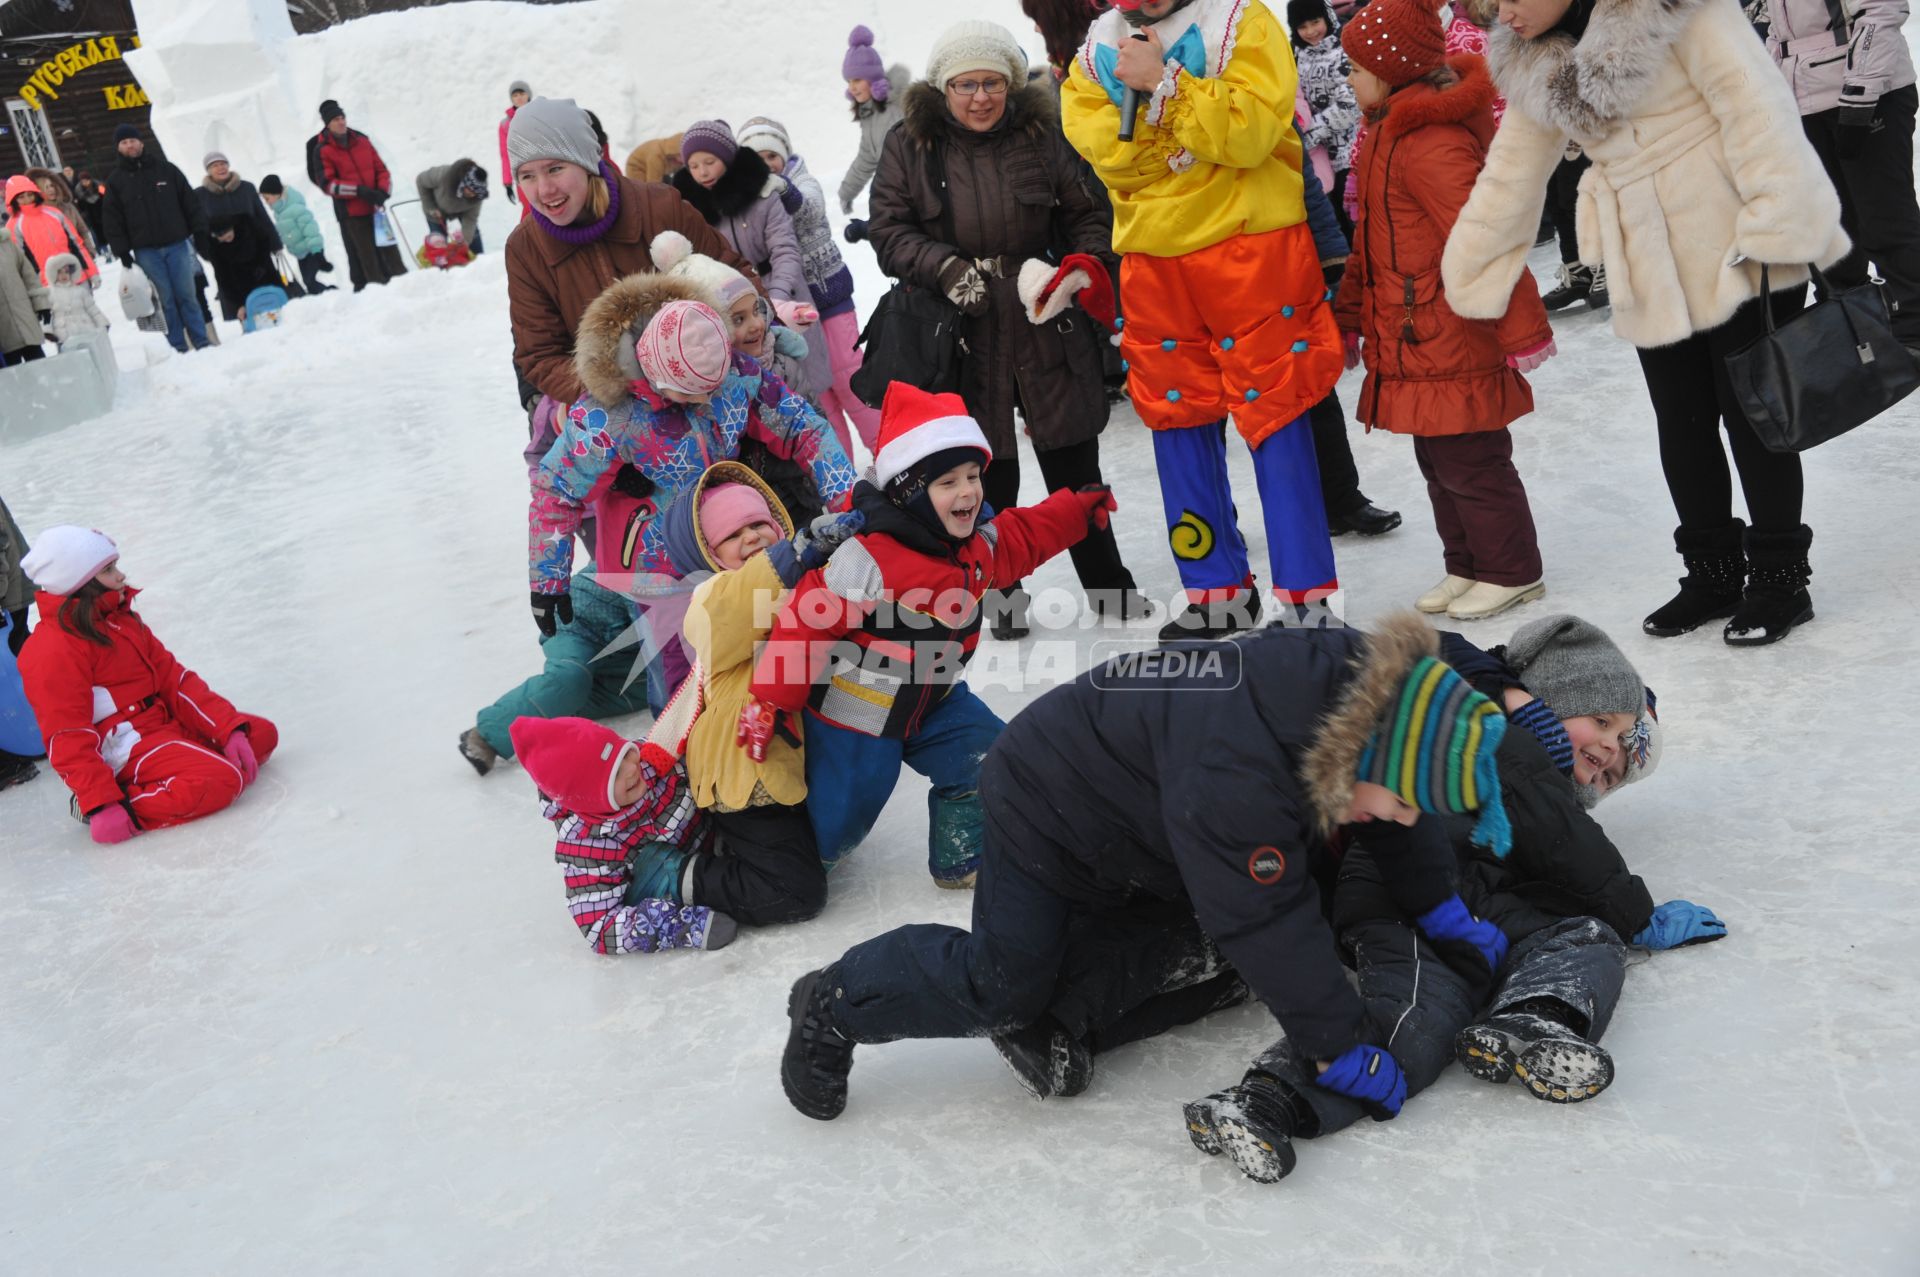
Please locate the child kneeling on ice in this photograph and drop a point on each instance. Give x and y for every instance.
(141, 740)
(1540, 929)
(731, 529)
(874, 645)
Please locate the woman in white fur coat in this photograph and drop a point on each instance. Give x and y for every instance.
(1700, 174)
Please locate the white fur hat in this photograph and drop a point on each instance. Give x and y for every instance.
(976, 45)
(64, 557)
(673, 254)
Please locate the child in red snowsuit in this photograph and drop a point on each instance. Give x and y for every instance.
(141, 740)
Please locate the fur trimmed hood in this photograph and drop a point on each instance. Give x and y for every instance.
(1030, 108)
(746, 182)
(1328, 771)
(1583, 85)
(603, 353)
(1419, 104)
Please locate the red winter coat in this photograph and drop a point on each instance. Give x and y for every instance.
(1430, 372)
(352, 161)
(95, 704)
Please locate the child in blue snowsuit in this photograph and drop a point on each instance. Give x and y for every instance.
(641, 435)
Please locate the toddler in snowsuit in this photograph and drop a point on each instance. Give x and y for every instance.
(74, 311)
(443, 252)
(1453, 384)
(666, 397)
(874, 645)
(141, 740)
(735, 543)
(1226, 306)
(581, 677)
(627, 824)
(1518, 973)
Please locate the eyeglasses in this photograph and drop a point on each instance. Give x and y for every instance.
(993, 86)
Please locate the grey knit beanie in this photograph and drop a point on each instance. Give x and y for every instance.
(518, 86)
(552, 129)
(976, 45)
(1574, 667)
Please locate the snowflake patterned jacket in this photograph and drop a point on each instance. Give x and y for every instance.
(621, 420)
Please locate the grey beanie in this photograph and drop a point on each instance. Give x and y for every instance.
(976, 45)
(1574, 667)
(552, 129)
(518, 86)
(212, 156)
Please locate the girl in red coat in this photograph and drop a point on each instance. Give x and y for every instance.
(141, 740)
(1454, 384)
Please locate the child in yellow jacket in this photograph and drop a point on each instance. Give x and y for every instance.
(1226, 305)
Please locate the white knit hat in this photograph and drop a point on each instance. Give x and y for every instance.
(64, 557)
(673, 254)
(762, 134)
(976, 45)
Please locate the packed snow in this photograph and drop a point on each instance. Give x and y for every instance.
(348, 1026)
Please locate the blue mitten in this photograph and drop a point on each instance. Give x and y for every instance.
(1680, 922)
(1449, 920)
(1371, 1076)
(813, 545)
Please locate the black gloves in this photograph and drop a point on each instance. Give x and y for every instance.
(630, 481)
(44, 316)
(547, 606)
(1333, 273)
(856, 230)
(374, 196)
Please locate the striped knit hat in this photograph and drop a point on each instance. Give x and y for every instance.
(1433, 749)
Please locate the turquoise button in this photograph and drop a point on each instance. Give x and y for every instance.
(1173, 396)
(1286, 312)
(1124, 365)
(1119, 323)
(1329, 296)
(1226, 343)
(1299, 346)
(1252, 395)
(1168, 344)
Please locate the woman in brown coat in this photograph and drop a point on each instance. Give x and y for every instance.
(972, 186)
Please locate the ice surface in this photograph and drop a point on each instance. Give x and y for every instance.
(347, 1026)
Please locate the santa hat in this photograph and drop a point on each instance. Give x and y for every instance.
(64, 558)
(914, 425)
(685, 349)
(575, 760)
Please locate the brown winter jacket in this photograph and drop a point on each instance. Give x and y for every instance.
(1430, 372)
(550, 283)
(654, 161)
(1017, 192)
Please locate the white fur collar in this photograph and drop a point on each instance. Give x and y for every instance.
(1218, 20)
(1583, 87)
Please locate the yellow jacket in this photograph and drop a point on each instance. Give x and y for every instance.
(728, 617)
(1213, 156)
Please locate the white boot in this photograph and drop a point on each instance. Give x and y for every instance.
(1441, 596)
(1486, 599)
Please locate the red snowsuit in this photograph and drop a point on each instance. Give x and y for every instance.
(128, 722)
(352, 161)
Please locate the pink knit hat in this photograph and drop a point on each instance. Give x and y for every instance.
(685, 349)
(725, 508)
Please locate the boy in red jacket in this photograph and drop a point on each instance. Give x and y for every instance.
(141, 740)
(874, 645)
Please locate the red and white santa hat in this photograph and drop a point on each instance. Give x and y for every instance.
(686, 348)
(64, 557)
(914, 425)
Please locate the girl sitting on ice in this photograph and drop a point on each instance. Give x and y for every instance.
(667, 396)
(141, 740)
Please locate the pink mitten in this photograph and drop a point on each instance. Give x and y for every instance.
(1533, 356)
(796, 314)
(111, 824)
(239, 752)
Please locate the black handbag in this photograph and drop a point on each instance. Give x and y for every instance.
(1834, 366)
(914, 334)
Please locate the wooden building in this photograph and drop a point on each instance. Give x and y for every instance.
(64, 87)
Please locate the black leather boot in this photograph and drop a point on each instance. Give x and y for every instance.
(1716, 576)
(1776, 598)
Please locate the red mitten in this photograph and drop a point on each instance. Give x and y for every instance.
(1350, 345)
(754, 732)
(111, 824)
(1098, 501)
(1048, 290)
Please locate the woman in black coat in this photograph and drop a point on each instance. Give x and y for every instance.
(241, 237)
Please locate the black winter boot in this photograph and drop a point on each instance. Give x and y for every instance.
(1365, 519)
(15, 770)
(1253, 1123)
(1716, 574)
(1007, 613)
(1576, 281)
(1777, 598)
(1551, 1060)
(1046, 1058)
(814, 1068)
(1217, 620)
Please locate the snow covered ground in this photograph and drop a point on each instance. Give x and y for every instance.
(348, 1027)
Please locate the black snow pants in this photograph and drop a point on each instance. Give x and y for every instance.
(1420, 1004)
(764, 867)
(1872, 169)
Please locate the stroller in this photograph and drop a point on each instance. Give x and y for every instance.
(263, 308)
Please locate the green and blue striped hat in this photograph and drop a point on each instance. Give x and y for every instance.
(1434, 747)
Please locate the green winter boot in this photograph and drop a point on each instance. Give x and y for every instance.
(955, 829)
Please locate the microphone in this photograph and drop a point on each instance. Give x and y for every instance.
(1130, 103)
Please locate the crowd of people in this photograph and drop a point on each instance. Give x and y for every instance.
(1212, 210)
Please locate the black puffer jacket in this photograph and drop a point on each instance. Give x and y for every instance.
(150, 204)
(1217, 787)
(1018, 192)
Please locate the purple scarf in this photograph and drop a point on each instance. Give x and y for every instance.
(587, 234)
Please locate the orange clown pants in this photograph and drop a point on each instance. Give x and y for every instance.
(1242, 328)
